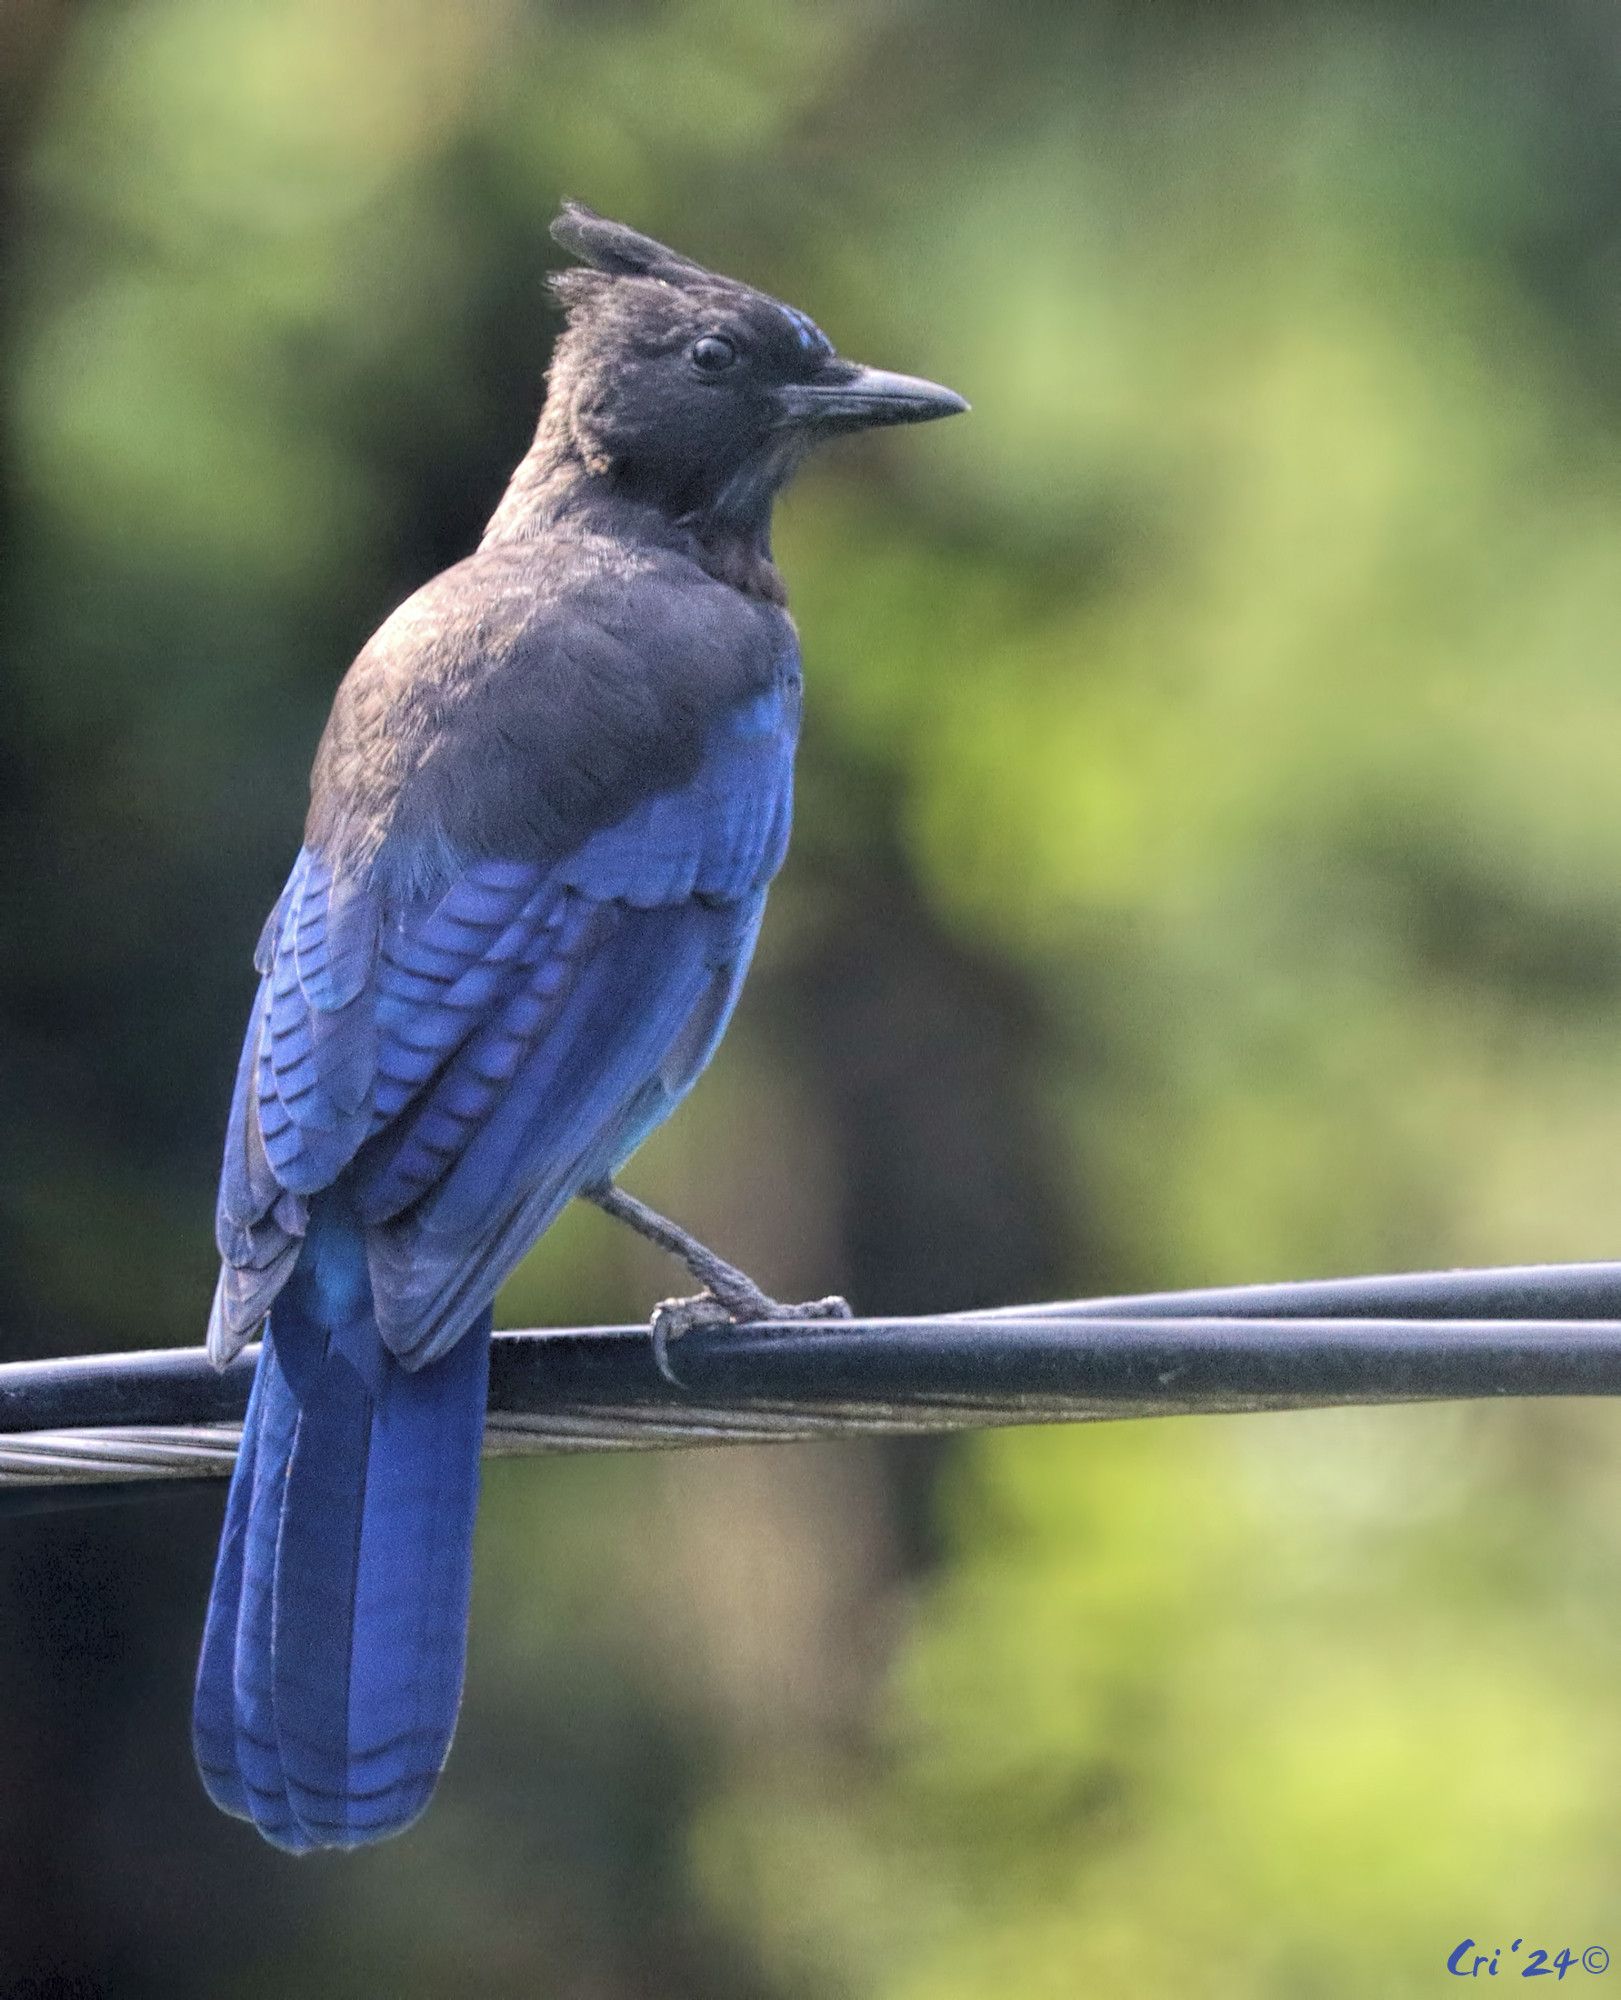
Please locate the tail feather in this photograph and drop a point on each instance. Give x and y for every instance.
(233, 1728)
(213, 1723)
(332, 1660)
(366, 1704)
(257, 1755)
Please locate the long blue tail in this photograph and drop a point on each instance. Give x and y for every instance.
(331, 1668)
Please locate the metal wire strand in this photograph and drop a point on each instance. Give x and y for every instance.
(114, 1422)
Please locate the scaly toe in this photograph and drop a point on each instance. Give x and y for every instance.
(832, 1307)
(674, 1317)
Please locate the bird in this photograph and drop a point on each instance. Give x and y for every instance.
(548, 802)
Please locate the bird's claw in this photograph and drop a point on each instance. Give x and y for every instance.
(674, 1317)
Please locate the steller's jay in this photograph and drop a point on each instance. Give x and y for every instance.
(548, 802)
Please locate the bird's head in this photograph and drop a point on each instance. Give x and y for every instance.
(696, 392)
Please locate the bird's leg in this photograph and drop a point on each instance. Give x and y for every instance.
(731, 1290)
(728, 1294)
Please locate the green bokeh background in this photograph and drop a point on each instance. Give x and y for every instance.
(1208, 869)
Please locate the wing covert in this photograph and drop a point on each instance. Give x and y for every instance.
(464, 1061)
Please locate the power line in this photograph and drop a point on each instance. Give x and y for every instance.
(117, 1421)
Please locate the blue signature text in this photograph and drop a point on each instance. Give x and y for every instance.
(1467, 1961)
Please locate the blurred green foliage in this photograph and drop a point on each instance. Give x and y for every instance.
(1209, 868)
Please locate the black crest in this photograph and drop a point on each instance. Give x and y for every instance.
(617, 251)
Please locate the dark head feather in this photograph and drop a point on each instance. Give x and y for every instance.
(615, 250)
(677, 388)
(626, 395)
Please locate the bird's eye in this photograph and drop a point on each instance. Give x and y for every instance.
(713, 354)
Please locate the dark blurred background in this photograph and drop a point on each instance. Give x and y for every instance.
(1208, 868)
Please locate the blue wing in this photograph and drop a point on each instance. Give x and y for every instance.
(467, 1061)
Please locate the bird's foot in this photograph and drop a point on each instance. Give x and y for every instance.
(735, 1306)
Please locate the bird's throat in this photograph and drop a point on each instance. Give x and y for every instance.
(728, 536)
(743, 561)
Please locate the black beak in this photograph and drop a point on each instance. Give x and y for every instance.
(846, 397)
